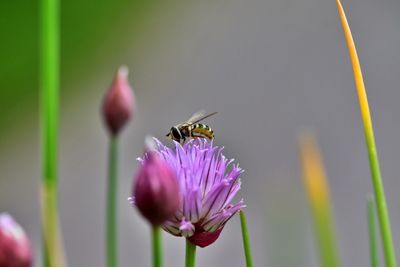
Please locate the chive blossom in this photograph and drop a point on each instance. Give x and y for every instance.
(207, 183)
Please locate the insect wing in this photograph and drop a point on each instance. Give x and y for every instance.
(196, 116)
(204, 117)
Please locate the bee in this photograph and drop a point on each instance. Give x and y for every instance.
(191, 128)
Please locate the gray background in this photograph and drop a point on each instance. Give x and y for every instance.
(271, 69)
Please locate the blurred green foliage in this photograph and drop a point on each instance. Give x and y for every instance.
(18, 53)
(84, 25)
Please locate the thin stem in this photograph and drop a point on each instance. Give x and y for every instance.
(383, 215)
(49, 79)
(53, 254)
(246, 240)
(190, 254)
(112, 234)
(157, 247)
(373, 245)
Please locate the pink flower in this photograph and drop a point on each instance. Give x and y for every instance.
(15, 248)
(118, 103)
(156, 189)
(207, 186)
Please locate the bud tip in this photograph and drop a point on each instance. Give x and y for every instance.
(118, 103)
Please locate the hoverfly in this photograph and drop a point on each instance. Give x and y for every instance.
(191, 128)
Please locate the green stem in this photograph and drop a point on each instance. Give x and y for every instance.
(372, 233)
(325, 232)
(53, 254)
(190, 254)
(246, 240)
(49, 83)
(112, 234)
(382, 211)
(383, 214)
(157, 247)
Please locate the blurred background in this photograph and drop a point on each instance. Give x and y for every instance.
(270, 68)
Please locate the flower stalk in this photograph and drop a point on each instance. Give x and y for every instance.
(190, 260)
(383, 215)
(373, 245)
(156, 195)
(246, 240)
(53, 254)
(157, 247)
(117, 109)
(111, 219)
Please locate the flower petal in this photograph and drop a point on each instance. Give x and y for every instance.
(186, 228)
(219, 219)
(204, 239)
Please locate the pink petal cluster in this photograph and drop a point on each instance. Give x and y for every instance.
(207, 183)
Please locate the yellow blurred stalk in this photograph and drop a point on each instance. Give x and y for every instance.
(317, 189)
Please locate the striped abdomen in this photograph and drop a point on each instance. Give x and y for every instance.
(202, 130)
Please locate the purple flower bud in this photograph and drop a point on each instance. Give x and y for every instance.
(156, 189)
(15, 249)
(118, 102)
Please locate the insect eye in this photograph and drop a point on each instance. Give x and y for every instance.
(175, 133)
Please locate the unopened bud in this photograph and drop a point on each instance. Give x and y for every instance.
(15, 248)
(118, 102)
(156, 189)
